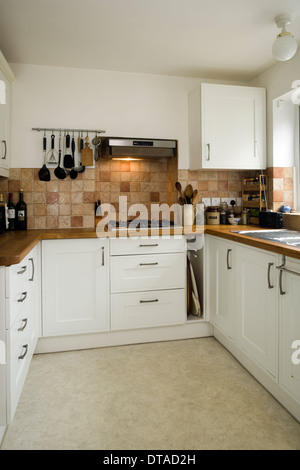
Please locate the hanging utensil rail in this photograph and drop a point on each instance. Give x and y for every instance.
(66, 130)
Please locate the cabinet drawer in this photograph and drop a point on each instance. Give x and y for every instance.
(147, 272)
(21, 341)
(144, 245)
(148, 309)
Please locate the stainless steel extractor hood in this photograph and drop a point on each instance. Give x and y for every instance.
(119, 147)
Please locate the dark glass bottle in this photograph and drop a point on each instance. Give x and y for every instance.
(21, 213)
(11, 213)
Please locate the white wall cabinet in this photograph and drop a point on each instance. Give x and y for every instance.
(6, 77)
(75, 287)
(257, 305)
(289, 328)
(227, 127)
(220, 281)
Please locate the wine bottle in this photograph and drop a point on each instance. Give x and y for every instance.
(3, 214)
(11, 213)
(21, 213)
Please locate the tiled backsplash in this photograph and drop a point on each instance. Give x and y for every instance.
(71, 203)
(280, 187)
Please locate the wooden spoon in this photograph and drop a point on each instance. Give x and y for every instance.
(188, 193)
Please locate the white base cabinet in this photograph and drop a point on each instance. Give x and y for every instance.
(75, 287)
(289, 339)
(21, 311)
(220, 281)
(257, 305)
(148, 282)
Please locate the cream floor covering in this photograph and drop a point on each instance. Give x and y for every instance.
(178, 395)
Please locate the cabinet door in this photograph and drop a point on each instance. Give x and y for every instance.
(220, 283)
(289, 332)
(257, 306)
(4, 125)
(227, 127)
(75, 289)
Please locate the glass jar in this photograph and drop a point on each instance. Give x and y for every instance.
(245, 217)
(213, 215)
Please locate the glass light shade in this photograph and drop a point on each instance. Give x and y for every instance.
(284, 47)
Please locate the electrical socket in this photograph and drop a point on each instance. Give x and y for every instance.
(215, 201)
(206, 201)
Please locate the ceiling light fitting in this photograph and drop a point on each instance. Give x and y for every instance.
(285, 45)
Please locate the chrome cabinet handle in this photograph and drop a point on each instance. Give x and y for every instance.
(22, 270)
(5, 149)
(22, 328)
(282, 292)
(24, 295)
(103, 256)
(269, 271)
(148, 264)
(228, 252)
(25, 346)
(148, 301)
(208, 152)
(32, 264)
(155, 244)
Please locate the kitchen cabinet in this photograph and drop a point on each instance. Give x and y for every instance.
(257, 305)
(21, 311)
(289, 328)
(75, 286)
(6, 76)
(148, 282)
(220, 283)
(227, 127)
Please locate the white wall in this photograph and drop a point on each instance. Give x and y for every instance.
(123, 104)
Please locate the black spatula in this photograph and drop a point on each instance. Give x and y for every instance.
(68, 159)
(44, 173)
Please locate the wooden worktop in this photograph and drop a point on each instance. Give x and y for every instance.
(14, 246)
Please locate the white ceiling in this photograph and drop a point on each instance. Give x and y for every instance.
(221, 39)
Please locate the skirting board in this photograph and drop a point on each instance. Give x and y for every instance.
(193, 329)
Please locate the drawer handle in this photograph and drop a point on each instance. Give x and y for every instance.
(25, 346)
(148, 264)
(142, 246)
(24, 295)
(32, 264)
(148, 301)
(22, 328)
(102, 255)
(22, 271)
(5, 149)
(269, 270)
(228, 265)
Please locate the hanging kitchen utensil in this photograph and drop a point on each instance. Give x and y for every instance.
(44, 173)
(87, 154)
(73, 172)
(52, 160)
(96, 141)
(59, 171)
(68, 160)
(79, 168)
